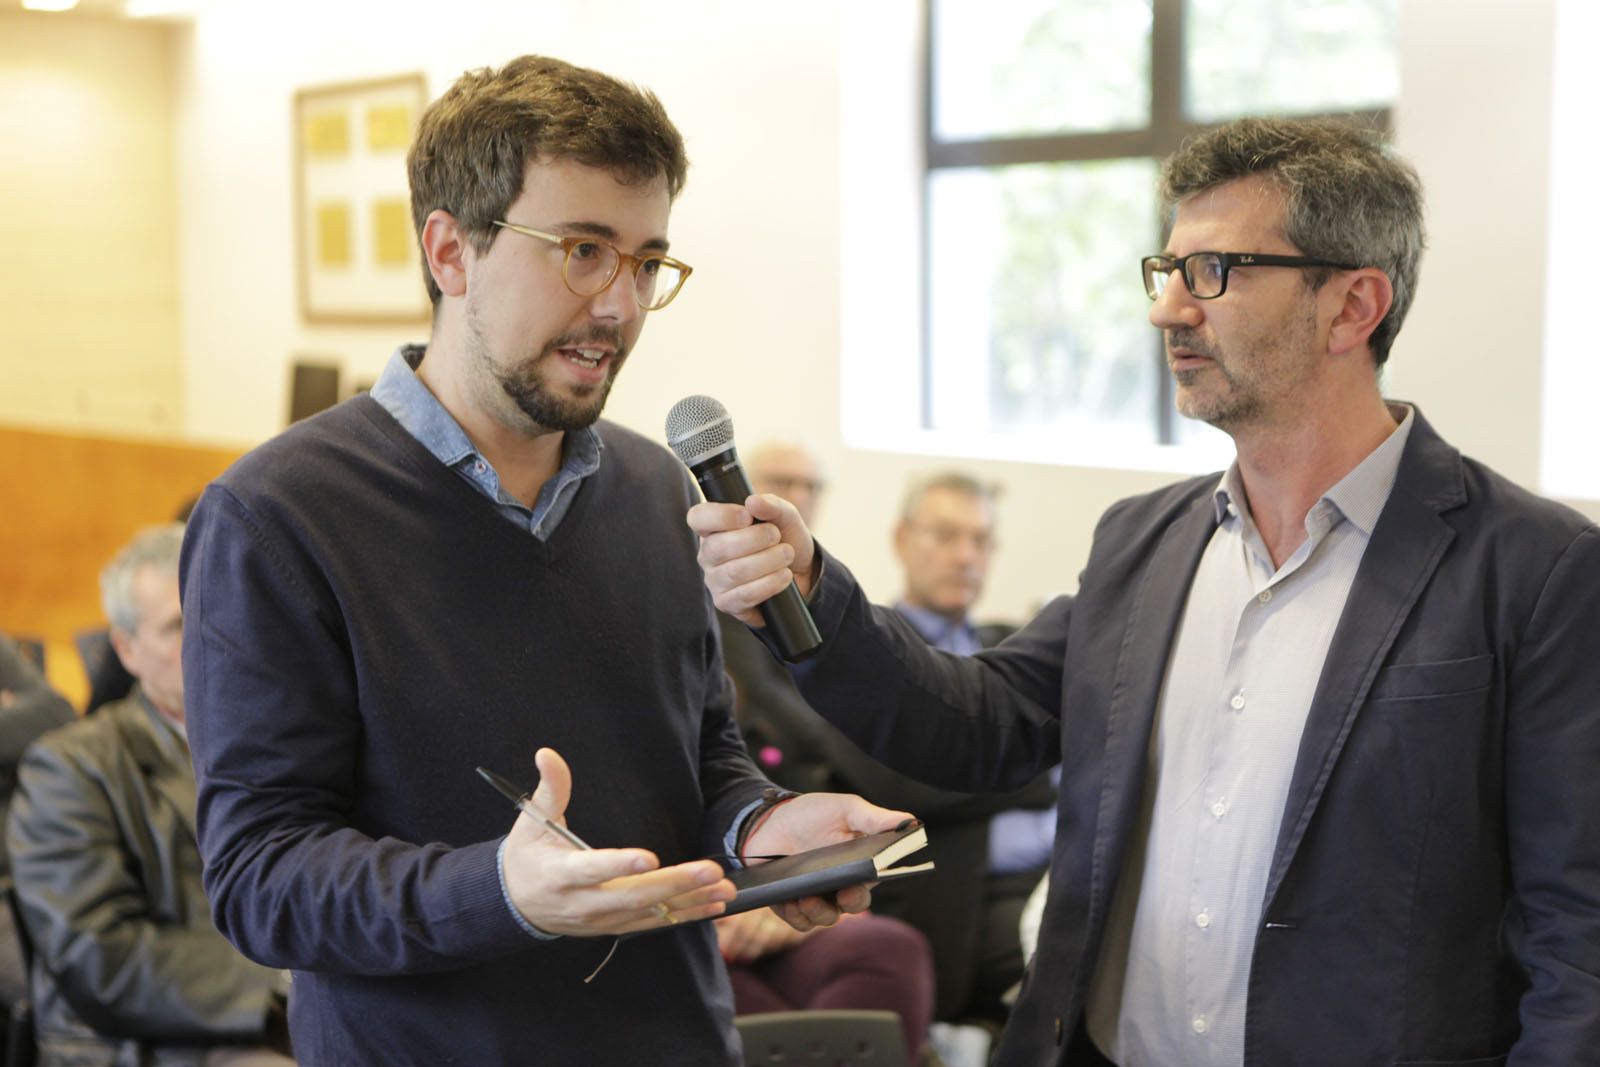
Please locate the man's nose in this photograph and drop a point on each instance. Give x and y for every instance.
(1175, 306)
(616, 301)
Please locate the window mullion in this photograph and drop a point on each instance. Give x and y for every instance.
(1064, 148)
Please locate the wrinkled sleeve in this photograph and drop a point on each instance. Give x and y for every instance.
(989, 722)
(274, 729)
(1552, 798)
(124, 970)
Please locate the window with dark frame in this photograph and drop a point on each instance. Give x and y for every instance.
(1044, 121)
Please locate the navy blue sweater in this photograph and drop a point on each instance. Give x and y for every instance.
(362, 629)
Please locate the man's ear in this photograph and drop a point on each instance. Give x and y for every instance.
(444, 245)
(902, 531)
(121, 645)
(1367, 297)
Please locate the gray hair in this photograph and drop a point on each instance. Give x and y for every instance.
(154, 546)
(952, 481)
(1348, 198)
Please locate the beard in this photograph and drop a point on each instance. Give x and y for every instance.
(1230, 405)
(525, 383)
(1257, 374)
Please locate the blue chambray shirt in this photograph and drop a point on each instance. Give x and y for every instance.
(402, 394)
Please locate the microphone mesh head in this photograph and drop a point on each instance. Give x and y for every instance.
(698, 427)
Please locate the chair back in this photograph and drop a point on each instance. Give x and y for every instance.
(108, 679)
(822, 1038)
(19, 1046)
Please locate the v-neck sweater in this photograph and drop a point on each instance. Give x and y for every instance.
(362, 630)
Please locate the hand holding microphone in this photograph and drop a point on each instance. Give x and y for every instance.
(753, 553)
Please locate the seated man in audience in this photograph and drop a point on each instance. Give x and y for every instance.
(969, 907)
(868, 961)
(28, 707)
(991, 848)
(127, 965)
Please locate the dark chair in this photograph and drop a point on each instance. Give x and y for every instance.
(824, 1038)
(108, 679)
(32, 649)
(20, 1046)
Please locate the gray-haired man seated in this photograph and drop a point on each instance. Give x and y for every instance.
(127, 966)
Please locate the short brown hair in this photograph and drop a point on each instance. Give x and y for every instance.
(1347, 196)
(474, 143)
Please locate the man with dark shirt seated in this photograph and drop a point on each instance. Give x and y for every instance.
(873, 962)
(28, 707)
(127, 965)
(945, 541)
(990, 849)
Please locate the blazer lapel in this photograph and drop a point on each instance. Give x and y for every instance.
(1152, 624)
(158, 750)
(1407, 543)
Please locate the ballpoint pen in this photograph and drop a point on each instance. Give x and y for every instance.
(523, 801)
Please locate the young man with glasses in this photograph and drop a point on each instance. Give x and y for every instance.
(1328, 723)
(462, 569)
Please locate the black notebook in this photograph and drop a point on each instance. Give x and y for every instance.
(824, 870)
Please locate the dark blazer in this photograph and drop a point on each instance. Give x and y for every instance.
(1434, 895)
(35, 708)
(127, 965)
(947, 904)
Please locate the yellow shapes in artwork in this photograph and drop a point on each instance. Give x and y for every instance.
(327, 133)
(391, 232)
(388, 127)
(333, 234)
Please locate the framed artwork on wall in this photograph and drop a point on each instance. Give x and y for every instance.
(357, 253)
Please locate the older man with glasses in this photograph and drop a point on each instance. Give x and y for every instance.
(1328, 722)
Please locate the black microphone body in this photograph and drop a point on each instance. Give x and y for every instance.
(723, 481)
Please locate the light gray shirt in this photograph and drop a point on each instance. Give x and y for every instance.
(1170, 984)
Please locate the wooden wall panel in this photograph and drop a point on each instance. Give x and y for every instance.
(67, 503)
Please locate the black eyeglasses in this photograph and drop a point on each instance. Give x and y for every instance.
(1206, 273)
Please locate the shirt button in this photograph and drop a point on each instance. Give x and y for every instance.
(1237, 703)
(1218, 808)
(1199, 1025)
(1202, 920)
(1266, 595)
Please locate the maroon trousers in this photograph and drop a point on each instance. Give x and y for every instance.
(871, 962)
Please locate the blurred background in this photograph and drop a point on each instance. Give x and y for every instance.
(915, 227)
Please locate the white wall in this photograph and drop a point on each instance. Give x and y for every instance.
(1572, 379)
(89, 278)
(1474, 117)
(756, 88)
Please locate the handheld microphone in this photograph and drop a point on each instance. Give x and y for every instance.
(700, 433)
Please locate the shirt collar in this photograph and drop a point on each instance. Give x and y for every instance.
(168, 733)
(1359, 496)
(414, 407)
(935, 629)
